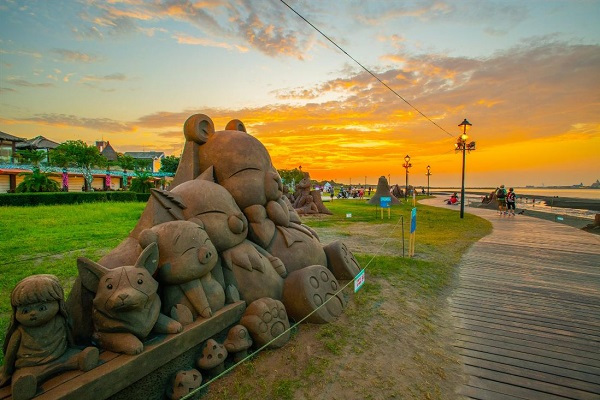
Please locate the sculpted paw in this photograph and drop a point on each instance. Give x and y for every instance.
(88, 358)
(278, 266)
(341, 261)
(266, 320)
(125, 343)
(313, 288)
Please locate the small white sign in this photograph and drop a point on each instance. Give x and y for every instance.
(349, 215)
(359, 280)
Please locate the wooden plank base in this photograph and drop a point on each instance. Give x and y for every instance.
(118, 371)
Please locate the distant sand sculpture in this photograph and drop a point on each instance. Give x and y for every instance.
(383, 190)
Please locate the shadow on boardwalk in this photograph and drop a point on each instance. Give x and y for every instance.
(526, 310)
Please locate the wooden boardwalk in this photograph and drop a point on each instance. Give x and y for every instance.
(527, 311)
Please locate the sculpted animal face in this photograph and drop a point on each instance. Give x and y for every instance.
(125, 297)
(186, 252)
(212, 204)
(241, 163)
(125, 289)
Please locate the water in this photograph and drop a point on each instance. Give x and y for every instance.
(525, 196)
(593, 194)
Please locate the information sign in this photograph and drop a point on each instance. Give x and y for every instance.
(385, 202)
(359, 280)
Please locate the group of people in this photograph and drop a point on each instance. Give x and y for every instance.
(506, 201)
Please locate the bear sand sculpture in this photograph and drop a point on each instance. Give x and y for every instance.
(223, 234)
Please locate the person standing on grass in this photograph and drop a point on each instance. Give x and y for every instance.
(511, 199)
(501, 198)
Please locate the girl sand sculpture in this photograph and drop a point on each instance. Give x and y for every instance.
(38, 342)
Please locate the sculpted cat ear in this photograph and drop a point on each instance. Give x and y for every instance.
(149, 258)
(198, 128)
(208, 174)
(90, 273)
(235, 125)
(147, 237)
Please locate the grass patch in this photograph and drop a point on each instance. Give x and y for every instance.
(48, 239)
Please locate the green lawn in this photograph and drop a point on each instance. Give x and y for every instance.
(48, 239)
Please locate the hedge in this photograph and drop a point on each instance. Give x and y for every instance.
(53, 198)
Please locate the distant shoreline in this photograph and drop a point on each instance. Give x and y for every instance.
(562, 202)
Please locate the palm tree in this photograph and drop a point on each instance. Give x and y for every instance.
(142, 183)
(37, 181)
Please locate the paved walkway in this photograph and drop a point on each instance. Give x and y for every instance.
(527, 310)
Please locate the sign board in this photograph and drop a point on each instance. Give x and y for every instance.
(413, 220)
(359, 280)
(385, 202)
(348, 215)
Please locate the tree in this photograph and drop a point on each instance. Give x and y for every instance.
(37, 181)
(142, 164)
(290, 176)
(142, 182)
(127, 163)
(82, 156)
(169, 164)
(62, 160)
(35, 157)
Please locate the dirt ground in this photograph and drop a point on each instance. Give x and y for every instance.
(392, 342)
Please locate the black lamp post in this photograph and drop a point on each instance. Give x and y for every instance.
(462, 145)
(406, 165)
(428, 173)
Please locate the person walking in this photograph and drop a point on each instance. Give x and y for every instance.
(511, 199)
(501, 198)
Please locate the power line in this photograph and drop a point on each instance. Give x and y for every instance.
(367, 70)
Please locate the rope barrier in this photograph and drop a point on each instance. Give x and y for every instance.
(295, 325)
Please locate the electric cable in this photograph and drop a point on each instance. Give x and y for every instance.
(366, 69)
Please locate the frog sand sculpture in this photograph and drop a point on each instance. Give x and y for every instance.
(223, 237)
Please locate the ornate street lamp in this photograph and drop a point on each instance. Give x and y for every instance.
(406, 165)
(462, 145)
(428, 173)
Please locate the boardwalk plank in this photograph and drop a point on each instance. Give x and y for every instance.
(546, 384)
(526, 311)
(577, 379)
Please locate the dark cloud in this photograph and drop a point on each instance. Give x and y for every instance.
(99, 124)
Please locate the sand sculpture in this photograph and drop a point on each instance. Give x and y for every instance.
(38, 341)
(383, 189)
(307, 201)
(223, 235)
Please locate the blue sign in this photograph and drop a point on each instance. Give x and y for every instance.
(413, 220)
(385, 202)
(359, 280)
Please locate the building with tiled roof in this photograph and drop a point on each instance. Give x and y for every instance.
(37, 143)
(154, 158)
(107, 150)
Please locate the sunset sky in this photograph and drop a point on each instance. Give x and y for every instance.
(526, 74)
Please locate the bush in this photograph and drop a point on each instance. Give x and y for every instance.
(34, 199)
